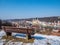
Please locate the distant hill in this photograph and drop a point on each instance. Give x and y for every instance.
(47, 19)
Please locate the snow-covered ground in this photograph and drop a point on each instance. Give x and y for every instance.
(48, 36)
(48, 39)
(2, 33)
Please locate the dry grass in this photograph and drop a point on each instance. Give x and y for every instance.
(18, 39)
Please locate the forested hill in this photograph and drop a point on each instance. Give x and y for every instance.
(47, 19)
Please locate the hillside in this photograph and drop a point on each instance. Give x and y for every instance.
(47, 19)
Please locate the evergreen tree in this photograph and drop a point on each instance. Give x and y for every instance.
(0, 24)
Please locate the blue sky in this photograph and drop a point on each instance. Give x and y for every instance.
(17, 9)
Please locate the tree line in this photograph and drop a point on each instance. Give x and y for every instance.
(5, 23)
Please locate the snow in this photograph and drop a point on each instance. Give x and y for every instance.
(48, 39)
(1, 43)
(2, 33)
(48, 36)
(15, 43)
(52, 40)
(45, 42)
(19, 35)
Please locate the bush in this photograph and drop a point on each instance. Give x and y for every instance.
(7, 24)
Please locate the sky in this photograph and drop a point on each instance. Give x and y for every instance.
(17, 9)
